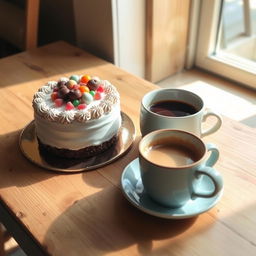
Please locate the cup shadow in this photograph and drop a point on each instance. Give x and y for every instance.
(107, 222)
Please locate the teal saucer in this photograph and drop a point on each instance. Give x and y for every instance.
(133, 190)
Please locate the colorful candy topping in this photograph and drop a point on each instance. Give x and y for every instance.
(97, 96)
(75, 78)
(100, 89)
(85, 79)
(54, 96)
(93, 84)
(69, 106)
(70, 84)
(76, 103)
(77, 92)
(87, 98)
(92, 93)
(84, 88)
(81, 106)
(74, 94)
(58, 102)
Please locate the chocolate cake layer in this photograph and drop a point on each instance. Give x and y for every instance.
(77, 154)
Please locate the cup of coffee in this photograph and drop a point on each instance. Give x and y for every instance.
(172, 163)
(175, 109)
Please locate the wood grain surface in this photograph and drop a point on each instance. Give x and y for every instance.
(86, 213)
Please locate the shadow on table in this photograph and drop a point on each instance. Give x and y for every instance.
(105, 222)
(15, 168)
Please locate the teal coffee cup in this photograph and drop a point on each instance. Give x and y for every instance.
(172, 163)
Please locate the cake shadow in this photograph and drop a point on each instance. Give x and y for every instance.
(17, 170)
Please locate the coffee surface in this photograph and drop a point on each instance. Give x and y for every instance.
(170, 155)
(173, 108)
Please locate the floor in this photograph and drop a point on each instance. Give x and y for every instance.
(226, 97)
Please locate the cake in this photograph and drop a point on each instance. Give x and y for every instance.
(77, 117)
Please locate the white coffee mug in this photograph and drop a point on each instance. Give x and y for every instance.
(150, 121)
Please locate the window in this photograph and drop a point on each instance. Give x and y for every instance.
(227, 39)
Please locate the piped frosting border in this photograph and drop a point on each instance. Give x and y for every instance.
(43, 108)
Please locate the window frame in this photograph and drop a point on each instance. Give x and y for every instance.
(231, 67)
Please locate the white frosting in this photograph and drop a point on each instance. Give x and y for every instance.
(76, 129)
(77, 135)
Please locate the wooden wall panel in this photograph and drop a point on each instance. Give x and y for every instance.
(166, 37)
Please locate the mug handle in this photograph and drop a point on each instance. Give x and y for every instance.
(214, 154)
(214, 176)
(216, 126)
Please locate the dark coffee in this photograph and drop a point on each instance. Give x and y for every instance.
(173, 108)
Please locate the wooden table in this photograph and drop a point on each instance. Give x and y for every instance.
(86, 213)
